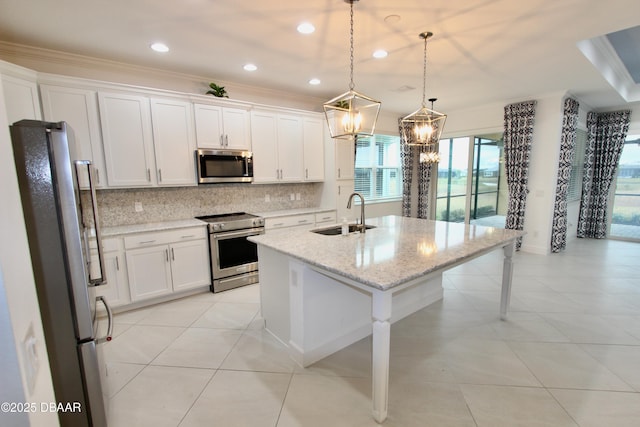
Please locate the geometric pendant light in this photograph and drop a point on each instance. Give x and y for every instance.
(352, 113)
(424, 126)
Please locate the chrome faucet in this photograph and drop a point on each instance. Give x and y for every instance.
(361, 227)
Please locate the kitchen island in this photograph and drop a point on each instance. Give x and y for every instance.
(321, 293)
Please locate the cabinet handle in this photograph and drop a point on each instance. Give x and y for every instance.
(280, 224)
(149, 175)
(173, 255)
(159, 175)
(226, 140)
(187, 237)
(166, 254)
(146, 242)
(221, 140)
(117, 263)
(97, 176)
(302, 221)
(338, 172)
(306, 174)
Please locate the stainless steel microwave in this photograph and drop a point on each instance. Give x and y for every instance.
(219, 166)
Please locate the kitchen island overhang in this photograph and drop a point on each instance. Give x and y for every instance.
(322, 293)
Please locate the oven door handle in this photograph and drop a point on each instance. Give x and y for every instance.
(241, 233)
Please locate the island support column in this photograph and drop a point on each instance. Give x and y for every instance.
(381, 313)
(507, 276)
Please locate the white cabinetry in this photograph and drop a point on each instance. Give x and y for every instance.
(300, 220)
(173, 142)
(147, 141)
(313, 145)
(277, 143)
(128, 139)
(163, 262)
(79, 108)
(116, 289)
(20, 94)
(222, 127)
(345, 158)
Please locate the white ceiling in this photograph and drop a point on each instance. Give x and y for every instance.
(483, 51)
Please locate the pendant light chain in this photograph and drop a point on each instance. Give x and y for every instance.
(424, 73)
(351, 84)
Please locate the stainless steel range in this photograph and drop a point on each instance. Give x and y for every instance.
(234, 259)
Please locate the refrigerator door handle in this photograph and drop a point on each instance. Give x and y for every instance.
(109, 334)
(96, 222)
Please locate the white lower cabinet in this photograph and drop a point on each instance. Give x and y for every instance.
(160, 263)
(300, 220)
(116, 288)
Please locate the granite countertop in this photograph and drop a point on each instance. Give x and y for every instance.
(398, 250)
(151, 226)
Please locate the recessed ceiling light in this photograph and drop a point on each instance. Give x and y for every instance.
(314, 82)
(380, 53)
(306, 28)
(160, 47)
(250, 67)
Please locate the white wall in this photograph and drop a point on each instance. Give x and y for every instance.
(15, 264)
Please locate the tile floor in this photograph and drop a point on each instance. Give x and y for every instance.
(568, 355)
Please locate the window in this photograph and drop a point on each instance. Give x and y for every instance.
(574, 192)
(378, 173)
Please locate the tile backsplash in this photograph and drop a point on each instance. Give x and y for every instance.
(118, 207)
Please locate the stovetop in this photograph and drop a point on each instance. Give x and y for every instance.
(231, 221)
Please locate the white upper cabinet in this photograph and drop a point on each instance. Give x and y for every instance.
(79, 108)
(277, 146)
(222, 127)
(345, 158)
(174, 142)
(290, 143)
(313, 144)
(128, 139)
(20, 98)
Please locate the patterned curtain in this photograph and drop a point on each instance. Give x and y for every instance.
(406, 157)
(518, 134)
(409, 154)
(567, 154)
(424, 181)
(606, 133)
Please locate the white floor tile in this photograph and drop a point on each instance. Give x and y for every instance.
(228, 315)
(600, 408)
(140, 344)
(234, 398)
(158, 396)
(199, 348)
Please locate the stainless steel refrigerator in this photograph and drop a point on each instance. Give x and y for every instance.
(59, 242)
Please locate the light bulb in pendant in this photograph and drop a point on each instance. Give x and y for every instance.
(352, 121)
(423, 131)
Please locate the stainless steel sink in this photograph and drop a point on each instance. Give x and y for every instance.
(337, 229)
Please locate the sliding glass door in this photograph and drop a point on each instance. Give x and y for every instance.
(471, 186)
(625, 216)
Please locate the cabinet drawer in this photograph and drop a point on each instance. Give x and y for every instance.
(289, 221)
(164, 237)
(326, 217)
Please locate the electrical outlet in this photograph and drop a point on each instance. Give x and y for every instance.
(138, 206)
(31, 359)
(292, 196)
(297, 196)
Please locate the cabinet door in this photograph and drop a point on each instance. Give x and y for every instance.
(79, 108)
(149, 272)
(313, 144)
(116, 290)
(128, 140)
(290, 147)
(345, 188)
(236, 127)
(20, 98)
(345, 158)
(173, 142)
(264, 135)
(190, 264)
(209, 130)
